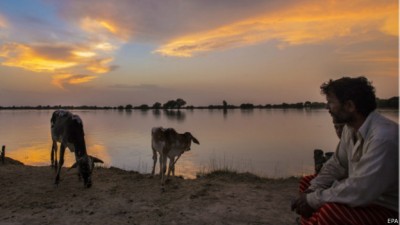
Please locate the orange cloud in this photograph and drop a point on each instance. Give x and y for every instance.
(314, 22)
(99, 66)
(84, 54)
(64, 61)
(104, 27)
(104, 46)
(24, 56)
(61, 80)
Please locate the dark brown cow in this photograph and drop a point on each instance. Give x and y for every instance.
(67, 129)
(168, 143)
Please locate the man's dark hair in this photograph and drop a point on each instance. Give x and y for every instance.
(359, 90)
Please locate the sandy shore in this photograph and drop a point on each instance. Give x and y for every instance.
(28, 196)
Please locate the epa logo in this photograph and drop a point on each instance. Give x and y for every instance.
(392, 221)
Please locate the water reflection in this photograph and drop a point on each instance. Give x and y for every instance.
(128, 112)
(273, 143)
(247, 111)
(156, 113)
(177, 115)
(39, 154)
(36, 155)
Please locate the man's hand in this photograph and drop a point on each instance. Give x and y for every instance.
(301, 206)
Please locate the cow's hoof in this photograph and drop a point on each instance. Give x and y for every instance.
(88, 184)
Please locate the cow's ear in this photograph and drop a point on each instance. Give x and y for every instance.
(96, 160)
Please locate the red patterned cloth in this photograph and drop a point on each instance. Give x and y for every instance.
(339, 214)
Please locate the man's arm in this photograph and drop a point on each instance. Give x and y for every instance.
(374, 173)
(334, 169)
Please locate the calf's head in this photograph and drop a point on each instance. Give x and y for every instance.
(189, 138)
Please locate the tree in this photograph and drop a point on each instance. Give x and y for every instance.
(156, 105)
(180, 102)
(128, 107)
(170, 104)
(143, 107)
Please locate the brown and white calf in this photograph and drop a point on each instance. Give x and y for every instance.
(67, 129)
(169, 144)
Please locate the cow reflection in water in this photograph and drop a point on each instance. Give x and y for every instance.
(67, 129)
(168, 143)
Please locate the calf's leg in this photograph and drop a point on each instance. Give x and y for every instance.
(163, 165)
(154, 162)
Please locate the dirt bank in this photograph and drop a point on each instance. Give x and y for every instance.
(28, 196)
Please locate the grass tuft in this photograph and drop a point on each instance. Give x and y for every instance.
(226, 174)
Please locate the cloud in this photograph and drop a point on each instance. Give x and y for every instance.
(86, 48)
(63, 80)
(84, 36)
(34, 59)
(60, 60)
(3, 22)
(105, 28)
(310, 23)
(153, 21)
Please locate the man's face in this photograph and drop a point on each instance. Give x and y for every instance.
(337, 109)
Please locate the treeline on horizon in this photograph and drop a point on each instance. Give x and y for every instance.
(391, 103)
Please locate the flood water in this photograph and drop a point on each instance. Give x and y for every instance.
(267, 142)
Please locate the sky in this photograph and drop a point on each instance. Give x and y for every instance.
(110, 53)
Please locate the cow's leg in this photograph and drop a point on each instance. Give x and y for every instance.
(60, 164)
(53, 156)
(79, 174)
(154, 162)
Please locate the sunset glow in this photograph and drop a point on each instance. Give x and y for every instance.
(38, 155)
(251, 51)
(18, 55)
(84, 54)
(61, 80)
(302, 25)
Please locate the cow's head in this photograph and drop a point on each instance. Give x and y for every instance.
(56, 115)
(85, 166)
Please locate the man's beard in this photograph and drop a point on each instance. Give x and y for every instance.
(341, 117)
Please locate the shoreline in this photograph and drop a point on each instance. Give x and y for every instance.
(117, 196)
